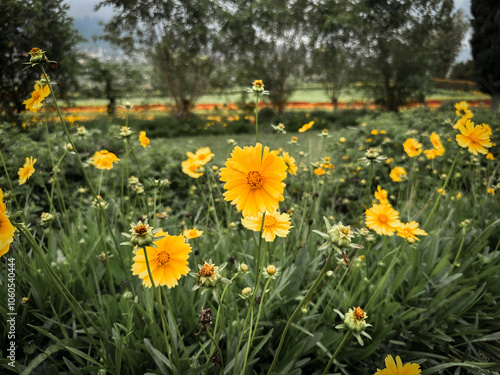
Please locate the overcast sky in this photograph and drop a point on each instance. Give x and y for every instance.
(83, 8)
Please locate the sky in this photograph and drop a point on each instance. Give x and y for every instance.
(85, 8)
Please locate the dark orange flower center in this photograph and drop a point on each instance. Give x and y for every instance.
(383, 218)
(36, 95)
(163, 258)
(207, 270)
(359, 314)
(141, 229)
(270, 222)
(254, 179)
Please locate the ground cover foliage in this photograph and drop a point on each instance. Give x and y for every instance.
(433, 302)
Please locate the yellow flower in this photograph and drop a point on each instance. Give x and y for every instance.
(410, 231)
(37, 96)
(381, 195)
(192, 168)
(397, 368)
(104, 159)
(462, 110)
(290, 163)
(342, 140)
(475, 137)
(436, 140)
(253, 179)
(168, 261)
(490, 156)
(382, 218)
(192, 233)
(202, 156)
(319, 171)
(27, 170)
(374, 132)
(397, 174)
(6, 233)
(412, 147)
(487, 129)
(143, 139)
(491, 191)
(306, 127)
(431, 154)
(275, 224)
(461, 121)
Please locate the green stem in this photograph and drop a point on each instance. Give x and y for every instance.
(297, 310)
(218, 349)
(257, 116)
(166, 327)
(444, 187)
(346, 336)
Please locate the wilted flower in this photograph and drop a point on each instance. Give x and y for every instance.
(354, 320)
(209, 275)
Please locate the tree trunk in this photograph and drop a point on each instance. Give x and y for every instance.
(495, 100)
(335, 102)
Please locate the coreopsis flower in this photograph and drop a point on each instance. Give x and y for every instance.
(258, 87)
(27, 170)
(397, 368)
(293, 141)
(434, 152)
(253, 180)
(319, 171)
(192, 168)
(6, 233)
(462, 110)
(412, 147)
(381, 195)
(410, 231)
(37, 96)
(280, 128)
(487, 129)
(271, 272)
(192, 233)
(306, 127)
(104, 159)
(202, 156)
(435, 140)
(290, 163)
(398, 174)
(167, 261)
(125, 132)
(141, 234)
(275, 224)
(383, 219)
(473, 137)
(337, 236)
(37, 55)
(324, 134)
(490, 156)
(143, 139)
(355, 321)
(208, 276)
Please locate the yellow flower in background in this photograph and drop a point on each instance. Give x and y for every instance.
(168, 261)
(436, 140)
(462, 110)
(381, 195)
(27, 170)
(412, 147)
(253, 179)
(202, 156)
(319, 171)
(397, 368)
(192, 168)
(306, 127)
(290, 163)
(37, 96)
(432, 153)
(374, 132)
(192, 233)
(410, 231)
(382, 218)
(490, 156)
(104, 159)
(473, 137)
(143, 139)
(6, 233)
(275, 224)
(397, 174)
(491, 191)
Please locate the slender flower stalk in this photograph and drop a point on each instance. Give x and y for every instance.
(297, 310)
(337, 351)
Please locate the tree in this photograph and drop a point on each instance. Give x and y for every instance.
(463, 70)
(485, 44)
(182, 38)
(28, 24)
(395, 38)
